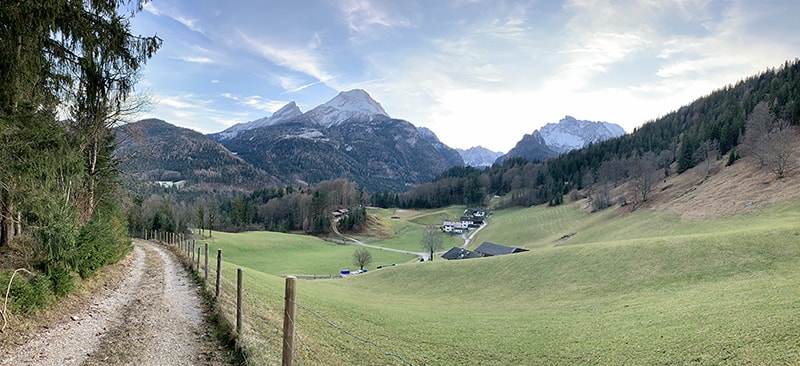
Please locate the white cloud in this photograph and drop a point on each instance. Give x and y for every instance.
(361, 15)
(197, 59)
(304, 60)
(256, 102)
(205, 115)
(192, 24)
(149, 7)
(291, 84)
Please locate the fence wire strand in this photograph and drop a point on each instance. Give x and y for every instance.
(351, 334)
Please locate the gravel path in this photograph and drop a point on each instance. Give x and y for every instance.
(153, 317)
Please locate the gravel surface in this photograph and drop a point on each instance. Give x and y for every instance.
(153, 317)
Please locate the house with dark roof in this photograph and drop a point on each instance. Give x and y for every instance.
(488, 249)
(460, 253)
(472, 221)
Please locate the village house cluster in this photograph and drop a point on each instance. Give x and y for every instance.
(472, 218)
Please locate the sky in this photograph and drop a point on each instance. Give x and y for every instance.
(474, 72)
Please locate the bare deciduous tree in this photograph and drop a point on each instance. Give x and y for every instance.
(781, 149)
(431, 239)
(361, 258)
(641, 176)
(708, 151)
(769, 140)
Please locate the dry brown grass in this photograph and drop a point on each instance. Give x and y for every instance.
(376, 228)
(731, 190)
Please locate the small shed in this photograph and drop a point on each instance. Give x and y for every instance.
(488, 249)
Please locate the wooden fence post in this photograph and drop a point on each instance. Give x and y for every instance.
(205, 277)
(219, 269)
(238, 302)
(198, 260)
(288, 320)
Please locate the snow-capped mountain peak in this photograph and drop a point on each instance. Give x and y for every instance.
(354, 104)
(479, 156)
(570, 133)
(287, 112)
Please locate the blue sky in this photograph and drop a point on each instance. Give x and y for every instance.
(475, 72)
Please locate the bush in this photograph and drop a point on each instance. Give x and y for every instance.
(61, 280)
(101, 241)
(28, 293)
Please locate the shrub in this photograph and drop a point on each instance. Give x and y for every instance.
(61, 280)
(28, 293)
(101, 241)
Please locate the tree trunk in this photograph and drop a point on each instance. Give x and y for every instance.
(6, 219)
(18, 232)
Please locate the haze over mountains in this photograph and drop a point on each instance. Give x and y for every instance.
(351, 136)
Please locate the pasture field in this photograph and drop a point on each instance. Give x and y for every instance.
(407, 227)
(637, 288)
(282, 254)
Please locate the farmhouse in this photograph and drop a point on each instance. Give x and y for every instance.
(472, 221)
(460, 253)
(456, 227)
(170, 184)
(475, 212)
(488, 249)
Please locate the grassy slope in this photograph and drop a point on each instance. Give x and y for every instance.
(407, 226)
(643, 288)
(285, 254)
(717, 291)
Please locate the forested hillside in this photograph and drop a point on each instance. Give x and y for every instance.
(153, 150)
(67, 72)
(711, 127)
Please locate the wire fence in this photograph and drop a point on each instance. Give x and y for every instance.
(318, 340)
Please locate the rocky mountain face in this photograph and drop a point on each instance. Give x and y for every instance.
(568, 134)
(286, 113)
(479, 156)
(532, 147)
(351, 137)
(153, 150)
(571, 134)
(452, 156)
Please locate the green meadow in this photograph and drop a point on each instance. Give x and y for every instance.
(282, 254)
(406, 228)
(635, 288)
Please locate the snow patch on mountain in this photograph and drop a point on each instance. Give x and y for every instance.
(286, 113)
(571, 134)
(352, 105)
(307, 133)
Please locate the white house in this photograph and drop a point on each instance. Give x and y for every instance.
(456, 227)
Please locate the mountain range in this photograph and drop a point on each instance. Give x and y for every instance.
(554, 139)
(351, 136)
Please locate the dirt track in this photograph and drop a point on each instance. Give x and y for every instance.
(153, 317)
